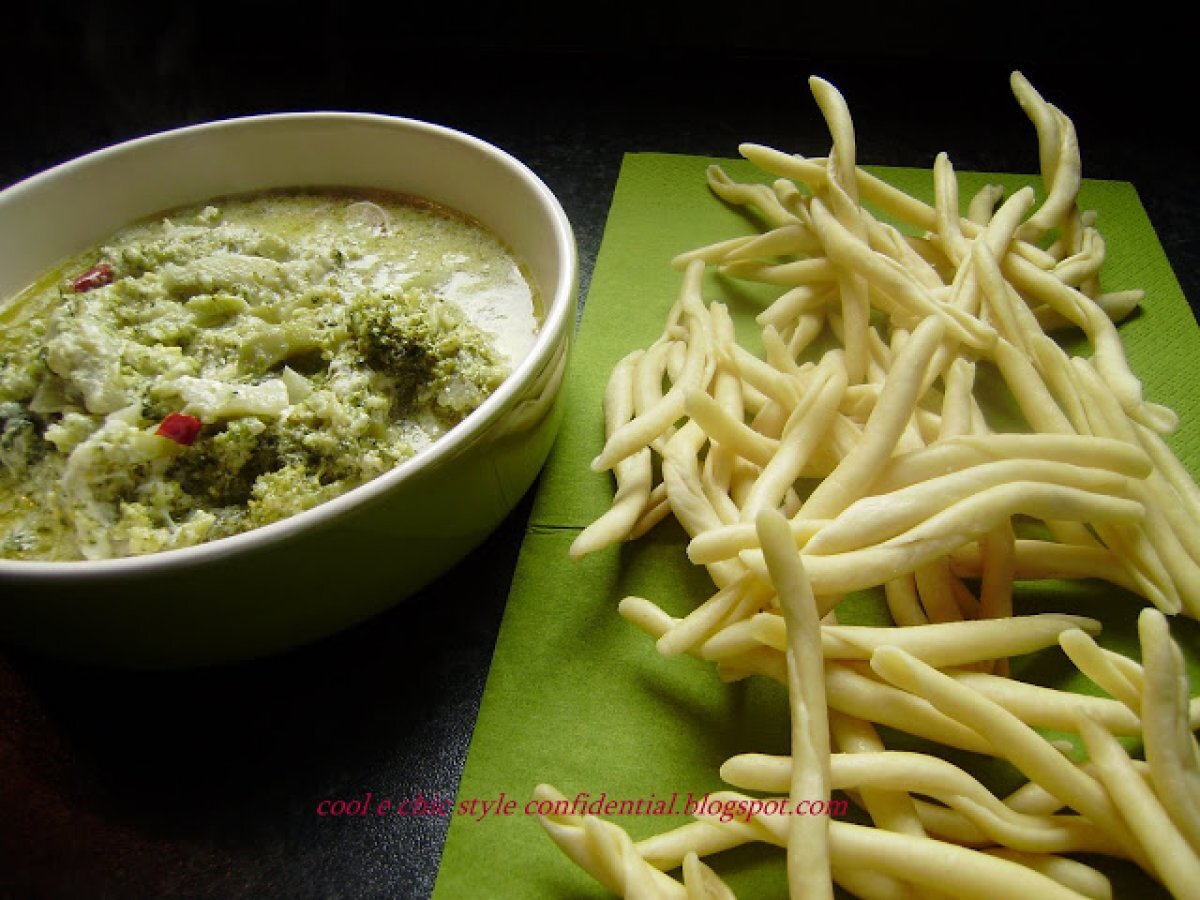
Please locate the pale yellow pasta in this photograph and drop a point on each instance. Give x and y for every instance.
(1008, 736)
(1068, 872)
(937, 644)
(758, 196)
(1100, 666)
(703, 883)
(740, 598)
(639, 431)
(892, 809)
(970, 450)
(805, 428)
(808, 843)
(634, 474)
(1170, 745)
(929, 776)
(1043, 707)
(794, 303)
(857, 451)
(605, 852)
(805, 272)
(723, 428)
(940, 866)
(882, 429)
(903, 602)
(949, 222)
(876, 518)
(983, 204)
(1170, 856)
(657, 508)
(1038, 560)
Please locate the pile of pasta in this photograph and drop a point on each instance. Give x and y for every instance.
(853, 453)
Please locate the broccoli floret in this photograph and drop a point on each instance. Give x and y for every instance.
(143, 528)
(395, 337)
(21, 444)
(433, 355)
(221, 468)
(285, 492)
(17, 543)
(20, 374)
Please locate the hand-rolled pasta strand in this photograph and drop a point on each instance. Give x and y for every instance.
(648, 376)
(1059, 149)
(1009, 737)
(964, 451)
(1044, 707)
(1171, 857)
(905, 295)
(808, 843)
(921, 773)
(1172, 536)
(903, 602)
(1045, 123)
(872, 189)
(655, 622)
(795, 302)
(1168, 464)
(999, 563)
(949, 223)
(853, 290)
(668, 849)
(774, 384)
(982, 206)
(1080, 269)
(883, 428)
(711, 253)
(805, 429)
(794, 238)
(874, 519)
(890, 809)
(703, 883)
(939, 645)
(849, 690)
(727, 431)
(815, 270)
(758, 196)
(641, 430)
(731, 603)
(1039, 560)
(681, 472)
(1109, 352)
(633, 474)
(1117, 305)
(657, 508)
(1042, 880)
(939, 535)
(926, 862)
(604, 851)
(1170, 746)
(1066, 871)
(858, 693)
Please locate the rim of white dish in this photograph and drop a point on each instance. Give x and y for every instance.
(558, 314)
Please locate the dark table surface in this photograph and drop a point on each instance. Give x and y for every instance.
(205, 784)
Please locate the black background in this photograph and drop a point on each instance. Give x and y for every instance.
(205, 784)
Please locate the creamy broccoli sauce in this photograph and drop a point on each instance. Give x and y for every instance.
(228, 365)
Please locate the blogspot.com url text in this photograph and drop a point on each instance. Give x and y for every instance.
(478, 809)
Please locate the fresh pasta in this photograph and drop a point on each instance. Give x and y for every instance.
(856, 453)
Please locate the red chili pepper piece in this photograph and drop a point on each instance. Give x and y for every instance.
(179, 427)
(97, 276)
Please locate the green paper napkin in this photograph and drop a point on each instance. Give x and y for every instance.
(578, 698)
